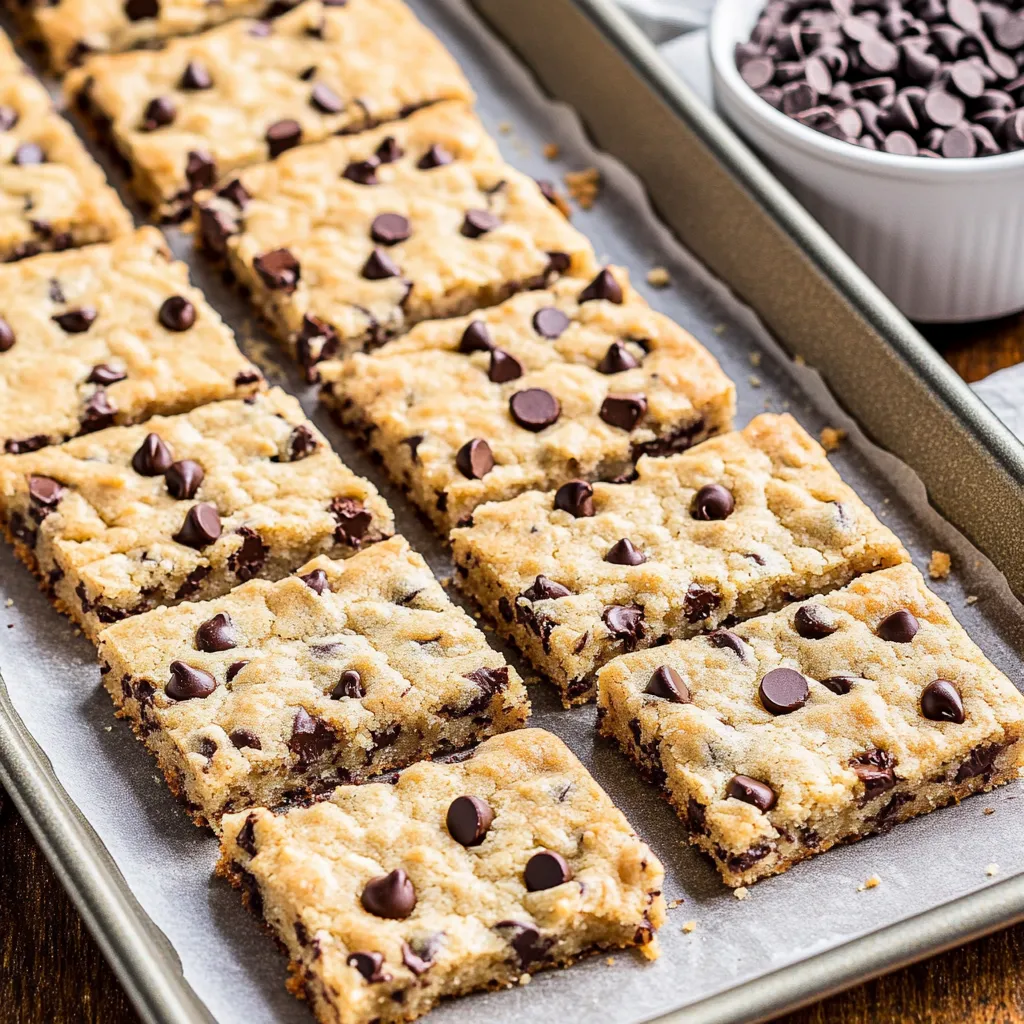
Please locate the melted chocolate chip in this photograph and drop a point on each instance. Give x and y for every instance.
(105, 375)
(316, 581)
(840, 684)
(153, 457)
(201, 527)
(246, 837)
(623, 552)
(301, 443)
(545, 870)
(419, 955)
(44, 491)
(310, 739)
(543, 589)
(243, 737)
(99, 412)
(529, 945)
(941, 702)
(751, 791)
(177, 314)
(390, 896)
(468, 819)
(349, 685)
(200, 170)
(667, 683)
(389, 150)
(183, 479)
(76, 321)
(235, 192)
(623, 411)
(783, 690)
(876, 769)
(369, 965)
(278, 269)
(699, 602)
(247, 560)
(575, 497)
(475, 459)
(217, 634)
(724, 639)
(353, 520)
(625, 623)
(188, 683)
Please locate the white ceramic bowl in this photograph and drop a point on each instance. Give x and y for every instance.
(944, 239)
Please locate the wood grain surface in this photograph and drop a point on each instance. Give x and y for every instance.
(51, 971)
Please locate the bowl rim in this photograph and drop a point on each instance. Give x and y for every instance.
(726, 29)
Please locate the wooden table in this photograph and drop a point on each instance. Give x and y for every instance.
(51, 971)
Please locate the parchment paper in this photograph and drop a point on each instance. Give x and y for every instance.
(167, 862)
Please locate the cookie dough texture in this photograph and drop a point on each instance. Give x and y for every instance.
(626, 380)
(72, 29)
(266, 86)
(474, 925)
(795, 529)
(418, 678)
(53, 195)
(348, 242)
(858, 757)
(87, 346)
(109, 541)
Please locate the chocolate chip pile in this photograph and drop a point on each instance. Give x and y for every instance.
(932, 78)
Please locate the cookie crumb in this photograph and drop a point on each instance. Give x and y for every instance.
(799, 360)
(939, 565)
(672, 904)
(505, 127)
(524, 979)
(831, 438)
(992, 870)
(971, 599)
(610, 961)
(584, 186)
(689, 927)
(551, 150)
(871, 883)
(988, 811)
(741, 893)
(9, 602)
(719, 329)
(658, 277)
(755, 381)
(755, 359)
(651, 950)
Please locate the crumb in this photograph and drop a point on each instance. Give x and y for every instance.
(799, 360)
(446, 581)
(551, 150)
(939, 565)
(741, 893)
(658, 277)
(610, 961)
(989, 810)
(971, 599)
(755, 381)
(672, 904)
(10, 625)
(832, 438)
(992, 870)
(755, 359)
(78, 632)
(524, 979)
(584, 186)
(505, 127)
(719, 329)
(651, 950)
(689, 927)
(871, 883)
(10, 602)
(108, 728)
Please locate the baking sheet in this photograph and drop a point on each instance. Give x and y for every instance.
(54, 682)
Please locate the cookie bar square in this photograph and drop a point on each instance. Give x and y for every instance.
(120, 521)
(206, 105)
(458, 877)
(109, 334)
(53, 195)
(736, 526)
(346, 243)
(819, 724)
(279, 691)
(72, 29)
(577, 380)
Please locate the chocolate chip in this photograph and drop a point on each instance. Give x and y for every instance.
(278, 269)
(623, 552)
(941, 702)
(183, 479)
(215, 228)
(195, 77)
(389, 150)
(390, 229)
(604, 286)
(943, 108)
(200, 170)
(840, 684)
(369, 965)
(617, 359)
(545, 870)
(243, 737)
(138, 10)
(233, 669)
(45, 491)
(475, 459)
(575, 497)
(625, 623)
(815, 621)
(217, 634)
(667, 683)
(235, 192)
(28, 154)
(98, 413)
(104, 374)
(468, 819)
(529, 945)
(247, 560)
(177, 313)
(751, 791)
(362, 172)
(623, 411)
(876, 770)
(534, 409)
(543, 589)
(8, 118)
(503, 367)
(392, 896)
(283, 135)
(310, 738)
(188, 683)
(326, 100)
(783, 691)
(899, 628)
(436, 156)
(379, 266)
(758, 72)
(159, 113)
(201, 527)
(353, 519)
(724, 639)
(712, 502)
(550, 322)
(153, 457)
(420, 959)
(19, 446)
(7, 336)
(475, 338)
(316, 581)
(76, 321)
(349, 685)
(477, 223)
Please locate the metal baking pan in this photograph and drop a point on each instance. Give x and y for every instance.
(920, 441)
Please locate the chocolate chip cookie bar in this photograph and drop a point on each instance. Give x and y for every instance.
(109, 334)
(183, 507)
(459, 876)
(577, 380)
(206, 105)
(736, 526)
(53, 195)
(279, 691)
(346, 243)
(819, 724)
(72, 29)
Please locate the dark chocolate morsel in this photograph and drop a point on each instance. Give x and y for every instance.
(183, 479)
(392, 896)
(45, 491)
(534, 409)
(188, 683)
(242, 737)
(475, 459)
(623, 411)
(104, 375)
(201, 527)
(177, 314)
(545, 870)
(76, 321)
(712, 502)
(283, 135)
(278, 269)
(543, 589)
(316, 581)
(369, 965)
(617, 359)
(899, 628)
(503, 367)
(349, 685)
(477, 223)
(575, 497)
(468, 819)
(390, 229)
(550, 322)
(667, 683)
(217, 634)
(751, 791)
(815, 621)
(604, 286)
(623, 552)
(783, 690)
(153, 457)
(724, 638)
(476, 338)
(941, 702)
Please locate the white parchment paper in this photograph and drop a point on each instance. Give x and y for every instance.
(167, 862)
